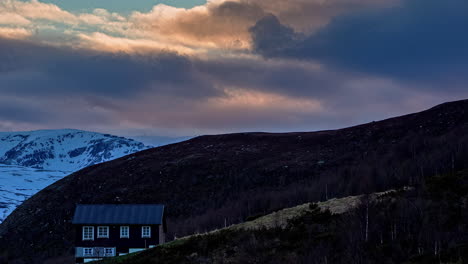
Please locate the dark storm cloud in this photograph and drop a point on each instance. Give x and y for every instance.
(418, 40)
(22, 112)
(31, 69)
(63, 87)
(270, 37)
(292, 78)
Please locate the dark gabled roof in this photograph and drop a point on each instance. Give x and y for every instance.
(130, 214)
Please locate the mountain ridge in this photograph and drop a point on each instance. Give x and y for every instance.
(64, 149)
(32, 160)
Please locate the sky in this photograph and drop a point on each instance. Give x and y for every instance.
(192, 67)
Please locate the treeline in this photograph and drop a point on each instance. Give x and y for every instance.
(408, 162)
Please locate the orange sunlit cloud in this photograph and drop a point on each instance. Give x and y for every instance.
(219, 25)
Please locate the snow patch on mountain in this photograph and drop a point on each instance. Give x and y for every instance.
(31, 161)
(63, 150)
(17, 184)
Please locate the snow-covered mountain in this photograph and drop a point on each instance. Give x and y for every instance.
(63, 150)
(31, 161)
(19, 183)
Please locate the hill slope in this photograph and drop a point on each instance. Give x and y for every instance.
(285, 233)
(210, 180)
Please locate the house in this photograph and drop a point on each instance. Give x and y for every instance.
(109, 230)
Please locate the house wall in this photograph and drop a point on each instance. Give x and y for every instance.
(121, 244)
(98, 252)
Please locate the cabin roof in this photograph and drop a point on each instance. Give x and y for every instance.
(130, 214)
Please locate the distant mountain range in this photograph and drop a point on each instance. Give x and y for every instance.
(30, 161)
(63, 150)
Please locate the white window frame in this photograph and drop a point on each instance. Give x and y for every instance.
(143, 233)
(100, 228)
(84, 233)
(111, 254)
(90, 254)
(127, 228)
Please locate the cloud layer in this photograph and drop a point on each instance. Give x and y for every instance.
(415, 41)
(217, 25)
(228, 66)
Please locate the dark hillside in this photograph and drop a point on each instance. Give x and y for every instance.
(212, 179)
(419, 225)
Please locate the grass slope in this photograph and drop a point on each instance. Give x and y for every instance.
(283, 225)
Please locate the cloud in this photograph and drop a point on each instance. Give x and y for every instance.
(228, 66)
(417, 40)
(27, 68)
(165, 92)
(271, 37)
(12, 18)
(23, 12)
(62, 87)
(217, 26)
(237, 109)
(15, 33)
(307, 16)
(103, 42)
(36, 10)
(225, 24)
(290, 77)
(15, 106)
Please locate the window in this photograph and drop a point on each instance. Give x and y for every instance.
(124, 232)
(88, 232)
(146, 231)
(109, 252)
(87, 251)
(103, 232)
